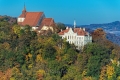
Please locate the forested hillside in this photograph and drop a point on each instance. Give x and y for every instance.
(24, 55)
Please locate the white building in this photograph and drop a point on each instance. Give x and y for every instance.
(77, 36)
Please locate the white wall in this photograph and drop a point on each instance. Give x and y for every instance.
(20, 19)
(78, 41)
(45, 28)
(34, 28)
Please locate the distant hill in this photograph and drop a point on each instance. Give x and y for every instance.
(112, 30)
(9, 19)
(113, 26)
(112, 37)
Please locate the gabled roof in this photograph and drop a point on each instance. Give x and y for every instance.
(23, 13)
(22, 16)
(47, 22)
(63, 31)
(80, 32)
(31, 18)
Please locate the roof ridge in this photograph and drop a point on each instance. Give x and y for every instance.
(36, 19)
(51, 21)
(48, 18)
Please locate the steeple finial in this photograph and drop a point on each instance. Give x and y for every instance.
(24, 7)
(24, 11)
(74, 23)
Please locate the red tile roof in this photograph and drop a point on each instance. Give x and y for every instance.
(22, 15)
(64, 31)
(47, 22)
(79, 31)
(31, 18)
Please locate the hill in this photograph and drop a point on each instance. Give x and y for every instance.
(9, 19)
(114, 38)
(112, 30)
(27, 56)
(113, 26)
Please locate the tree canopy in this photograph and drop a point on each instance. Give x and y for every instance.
(27, 56)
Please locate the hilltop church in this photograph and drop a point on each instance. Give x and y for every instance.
(36, 20)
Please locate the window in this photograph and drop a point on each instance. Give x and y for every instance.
(66, 37)
(82, 43)
(20, 20)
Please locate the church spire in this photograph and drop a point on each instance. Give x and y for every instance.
(24, 7)
(24, 10)
(74, 23)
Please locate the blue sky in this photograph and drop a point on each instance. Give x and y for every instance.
(65, 11)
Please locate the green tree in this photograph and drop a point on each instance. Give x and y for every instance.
(61, 26)
(49, 52)
(100, 56)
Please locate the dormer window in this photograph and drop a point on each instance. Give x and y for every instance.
(20, 20)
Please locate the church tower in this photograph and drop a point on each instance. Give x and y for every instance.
(22, 16)
(74, 24)
(24, 11)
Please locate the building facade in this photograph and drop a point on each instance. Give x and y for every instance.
(77, 36)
